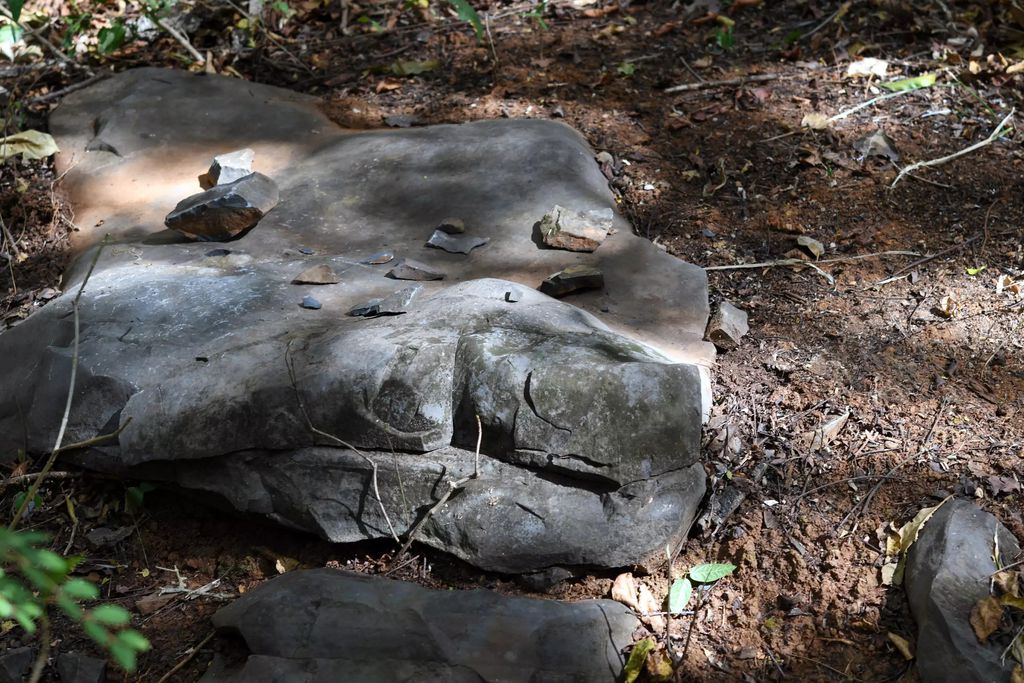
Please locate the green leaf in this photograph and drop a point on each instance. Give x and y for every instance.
(15, 7)
(627, 69)
(466, 12)
(916, 83)
(25, 622)
(111, 615)
(110, 38)
(134, 640)
(69, 606)
(637, 657)
(80, 589)
(10, 34)
(791, 38)
(96, 631)
(974, 271)
(51, 562)
(123, 655)
(711, 572)
(679, 595)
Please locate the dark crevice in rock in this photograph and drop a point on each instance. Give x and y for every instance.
(529, 402)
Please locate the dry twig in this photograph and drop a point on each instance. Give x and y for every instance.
(724, 83)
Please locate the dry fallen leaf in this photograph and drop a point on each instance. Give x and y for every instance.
(30, 144)
(648, 608)
(624, 591)
(948, 306)
(901, 644)
(878, 144)
(814, 121)
(985, 617)
(869, 66)
(1018, 674)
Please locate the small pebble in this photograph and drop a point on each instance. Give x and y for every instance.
(311, 302)
(306, 250)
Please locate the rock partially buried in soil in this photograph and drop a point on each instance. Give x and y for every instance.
(317, 275)
(591, 424)
(949, 569)
(561, 228)
(455, 244)
(727, 327)
(408, 269)
(572, 279)
(225, 211)
(328, 625)
(227, 168)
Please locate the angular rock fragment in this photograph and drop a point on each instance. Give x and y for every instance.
(572, 279)
(227, 168)
(727, 327)
(328, 625)
(461, 244)
(15, 664)
(949, 570)
(73, 667)
(562, 228)
(224, 211)
(311, 302)
(379, 258)
(395, 304)
(317, 275)
(452, 226)
(408, 269)
(514, 295)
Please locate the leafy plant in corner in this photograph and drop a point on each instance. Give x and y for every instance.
(682, 589)
(466, 12)
(537, 14)
(34, 579)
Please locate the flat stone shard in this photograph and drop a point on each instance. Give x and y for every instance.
(572, 279)
(408, 269)
(455, 244)
(225, 211)
(394, 304)
(948, 571)
(227, 168)
(452, 226)
(561, 228)
(727, 327)
(311, 302)
(16, 663)
(73, 667)
(317, 275)
(328, 625)
(173, 339)
(381, 257)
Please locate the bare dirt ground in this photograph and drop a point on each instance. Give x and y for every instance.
(927, 367)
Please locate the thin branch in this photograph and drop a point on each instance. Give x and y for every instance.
(801, 262)
(340, 442)
(181, 38)
(30, 495)
(188, 658)
(921, 261)
(967, 150)
(32, 476)
(57, 94)
(705, 85)
(44, 649)
(452, 488)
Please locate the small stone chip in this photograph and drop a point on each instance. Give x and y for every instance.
(452, 226)
(317, 275)
(727, 327)
(455, 244)
(227, 168)
(572, 279)
(379, 258)
(311, 303)
(407, 269)
(393, 304)
(561, 228)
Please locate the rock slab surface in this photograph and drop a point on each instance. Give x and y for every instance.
(948, 572)
(325, 625)
(591, 411)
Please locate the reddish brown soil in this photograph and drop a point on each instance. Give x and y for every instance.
(719, 176)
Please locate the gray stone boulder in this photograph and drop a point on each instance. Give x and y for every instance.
(325, 625)
(949, 569)
(226, 210)
(211, 368)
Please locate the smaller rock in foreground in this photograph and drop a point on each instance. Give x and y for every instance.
(572, 279)
(394, 304)
(15, 664)
(224, 211)
(407, 269)
(317, 275)
(379, 258)
(311, 303)
(76, 668)
(227, 168)
(575, 230)
(727, 327)
(461, 244)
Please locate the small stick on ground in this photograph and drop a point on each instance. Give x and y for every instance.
(340, 442)
(188, 658)
(949, 157)
(181, 38)
(452, 488)
(724, 83)
(920, 262)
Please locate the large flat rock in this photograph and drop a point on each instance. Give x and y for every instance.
(590, 411)
(325, 625)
